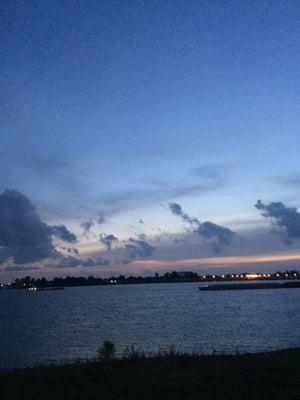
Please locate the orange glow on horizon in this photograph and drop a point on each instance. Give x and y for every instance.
(219, 261)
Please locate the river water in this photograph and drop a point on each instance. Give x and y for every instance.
(56, 326)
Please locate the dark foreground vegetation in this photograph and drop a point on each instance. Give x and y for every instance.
(166, 376)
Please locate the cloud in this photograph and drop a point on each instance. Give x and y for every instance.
(125, 261)
(176, 209)
(217, 235)
(66, 262)
(73, 250)
(24, 237)
(86, 226)
(101, 219)
(95, 262)
(61, 232)
(287, 219)
(108, 240)
(154, 191)
(142, 236)
(21, 268)
(138, 248)
(73, 262)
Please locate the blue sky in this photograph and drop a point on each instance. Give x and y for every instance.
(117, 108)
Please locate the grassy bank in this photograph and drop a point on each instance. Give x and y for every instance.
(240, 377)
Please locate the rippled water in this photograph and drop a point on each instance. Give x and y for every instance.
(59, 325)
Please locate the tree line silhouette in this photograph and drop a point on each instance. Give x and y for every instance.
(168, 277)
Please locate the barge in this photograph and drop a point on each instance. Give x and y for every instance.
(251, 286)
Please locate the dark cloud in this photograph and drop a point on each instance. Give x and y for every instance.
(142, 236)
(73, 250)
(108, 240)
(138, 248)
(24, 237)
(176, 209)
(287, 219)
(61, 232)
(217, 235)
(86, 226)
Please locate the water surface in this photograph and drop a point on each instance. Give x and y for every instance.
(65, 325)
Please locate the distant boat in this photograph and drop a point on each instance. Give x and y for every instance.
(38, 289)
(254, 285)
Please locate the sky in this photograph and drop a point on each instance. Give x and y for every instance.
(140, 137)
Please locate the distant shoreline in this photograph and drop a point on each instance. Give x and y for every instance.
(169, 277)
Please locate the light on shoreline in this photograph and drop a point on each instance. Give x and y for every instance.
(252, 276)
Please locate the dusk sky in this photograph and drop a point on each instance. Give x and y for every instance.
(146, 136)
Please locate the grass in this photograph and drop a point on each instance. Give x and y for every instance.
(266, 376)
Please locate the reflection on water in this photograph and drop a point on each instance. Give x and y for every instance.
(54, 326)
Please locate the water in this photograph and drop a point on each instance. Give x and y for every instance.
(65, 325)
